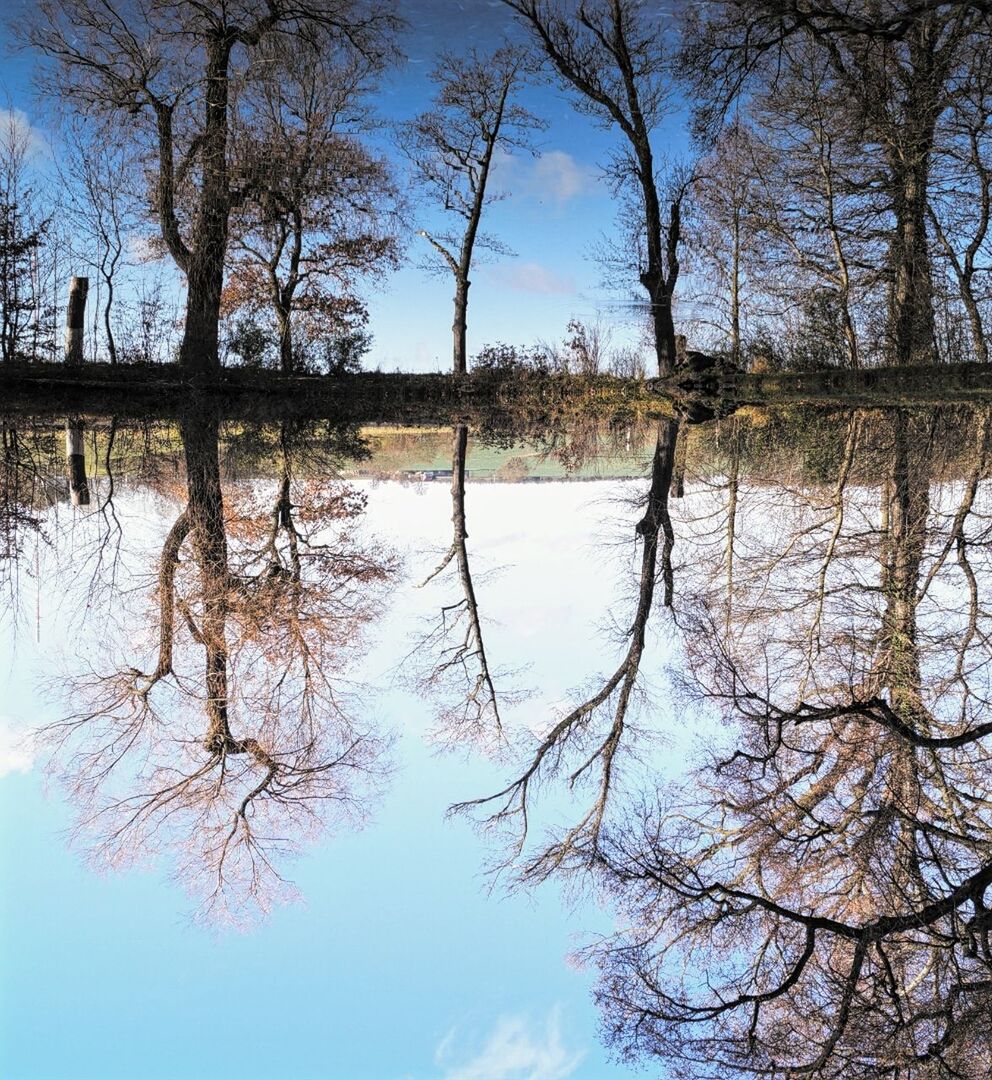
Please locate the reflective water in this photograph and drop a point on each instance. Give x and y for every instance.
(706, 706)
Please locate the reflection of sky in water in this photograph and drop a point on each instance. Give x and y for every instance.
(398, 962)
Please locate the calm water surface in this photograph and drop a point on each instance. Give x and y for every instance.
(385, 752)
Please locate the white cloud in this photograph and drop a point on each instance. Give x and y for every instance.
(561, 177)
(17, 130)
(515, 1049)
(532, 277)
(552, 177)
(15, 751)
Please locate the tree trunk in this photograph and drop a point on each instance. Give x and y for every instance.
(681, 460)
(898, 664)
(735, 292)
(205, 507)
(199, 351)
(111, 344)
(911, 321)
(664, 328)
(459, 327)
(657, 520)
(911, 292)
(285, 327)
(733, 490)
(979, 344)
(74, 320)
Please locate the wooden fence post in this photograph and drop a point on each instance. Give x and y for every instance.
(78, 287)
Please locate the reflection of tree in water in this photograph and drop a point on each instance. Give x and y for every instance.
(812, 902)
(459, 680)
(583, 745)
(241, 737)
(20, 490)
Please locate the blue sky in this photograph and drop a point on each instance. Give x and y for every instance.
(397, 965)
(400, 962)
(556, 214)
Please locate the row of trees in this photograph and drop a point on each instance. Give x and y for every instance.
(837, 212)
(267, 198)
(854, 173)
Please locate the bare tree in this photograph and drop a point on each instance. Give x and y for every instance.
(98, 177)
(228, 763)
(460, 678)
(585, 745)
(452, 149)
(165, 71)
(321, 214)
(611, 52)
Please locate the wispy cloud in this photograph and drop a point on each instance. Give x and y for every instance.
(515, 1049)
(561, 177)
(532, 277)
(551, 177)
(15, 750)
(16, 129)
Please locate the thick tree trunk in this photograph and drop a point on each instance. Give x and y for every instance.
(897, 666)
(284, 325)
(657, 520)
(199, 353)
(663, 325)
(205, 510)
(661, 274)
(459, 328)
(681, 461)
(910, 148)
(911, 319)
(167, 593)
(908, 508)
